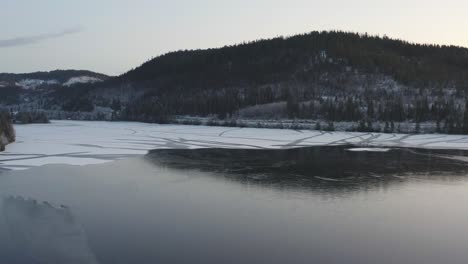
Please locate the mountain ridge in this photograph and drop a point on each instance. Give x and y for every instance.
(54, 74)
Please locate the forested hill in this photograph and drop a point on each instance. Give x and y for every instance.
(277, 59)
(27, 91)
(329, 76)
(334, 76)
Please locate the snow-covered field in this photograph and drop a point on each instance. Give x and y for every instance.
(86, 142)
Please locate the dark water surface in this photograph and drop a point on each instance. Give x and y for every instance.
(310, 205)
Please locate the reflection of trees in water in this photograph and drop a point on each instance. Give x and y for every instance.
(42, 233)
(314, 168)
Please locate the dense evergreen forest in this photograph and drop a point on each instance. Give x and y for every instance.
(7, 132)
(30, 118)
(330, 76)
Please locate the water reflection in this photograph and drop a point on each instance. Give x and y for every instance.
(313, 205)
(317, 168)
(41, 233)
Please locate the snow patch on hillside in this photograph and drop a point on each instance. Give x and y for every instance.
(81, 79)
(34, 83)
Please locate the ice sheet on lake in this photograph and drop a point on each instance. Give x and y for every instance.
(368, 149)
(83, 142)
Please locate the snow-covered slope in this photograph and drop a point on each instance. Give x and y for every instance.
(34, 83)
(81, 142)
(81, 79)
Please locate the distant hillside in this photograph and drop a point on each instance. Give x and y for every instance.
(330, 76)
(17, 89)
(57, 77)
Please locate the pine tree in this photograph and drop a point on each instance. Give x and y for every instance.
(387, 127)
(318, 126)
(438, 130)
(330, 127)
(465, 119)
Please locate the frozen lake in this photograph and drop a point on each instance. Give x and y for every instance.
(185, 194)
(81, 142)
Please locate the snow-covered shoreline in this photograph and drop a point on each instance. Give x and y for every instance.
(93, 142)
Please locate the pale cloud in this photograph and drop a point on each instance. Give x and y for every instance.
(26, 40)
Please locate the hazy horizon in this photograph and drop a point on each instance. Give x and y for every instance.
(112, 37)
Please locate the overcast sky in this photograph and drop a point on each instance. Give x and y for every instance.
(113, 36)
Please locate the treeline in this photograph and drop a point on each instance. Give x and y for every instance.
(7, 132)
(448, 111)
(450, 116)
(31, 117)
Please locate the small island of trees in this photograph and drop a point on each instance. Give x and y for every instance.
(7, 132)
